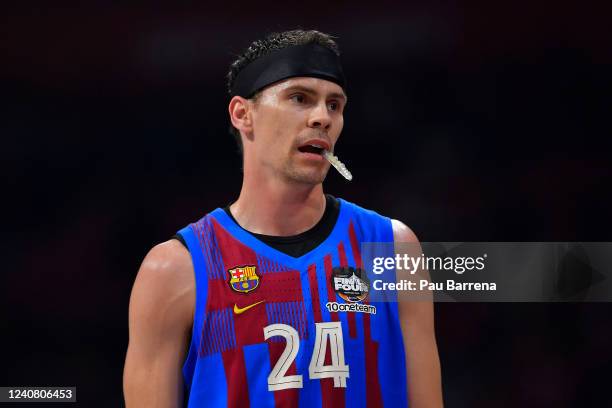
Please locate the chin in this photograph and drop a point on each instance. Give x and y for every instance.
(305, 173)
(307, 177)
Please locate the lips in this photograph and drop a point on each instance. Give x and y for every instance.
(315, 146)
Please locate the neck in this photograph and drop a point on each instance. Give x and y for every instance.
(274, 207)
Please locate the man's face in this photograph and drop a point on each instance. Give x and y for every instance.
(293, 122)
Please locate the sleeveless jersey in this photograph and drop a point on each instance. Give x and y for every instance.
(272, 330)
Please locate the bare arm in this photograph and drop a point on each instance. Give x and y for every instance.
(422, 361)
(160, 321)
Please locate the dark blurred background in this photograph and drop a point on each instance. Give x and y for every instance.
(486, 121)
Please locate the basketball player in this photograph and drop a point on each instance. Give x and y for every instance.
(264, 303)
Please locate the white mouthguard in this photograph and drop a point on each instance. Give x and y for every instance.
(333, 160)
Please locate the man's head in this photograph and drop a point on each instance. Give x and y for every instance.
(274, 124)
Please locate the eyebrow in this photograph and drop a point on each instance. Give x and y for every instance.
(312, 91)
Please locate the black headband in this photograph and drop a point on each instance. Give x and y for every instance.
(309, 60)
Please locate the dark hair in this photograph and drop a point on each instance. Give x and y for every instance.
(272, 42)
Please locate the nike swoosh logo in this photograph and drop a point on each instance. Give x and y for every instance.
(239, 310)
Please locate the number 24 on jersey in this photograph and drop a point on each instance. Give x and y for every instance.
(326, 332)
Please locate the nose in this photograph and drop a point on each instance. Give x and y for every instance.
(319, 117)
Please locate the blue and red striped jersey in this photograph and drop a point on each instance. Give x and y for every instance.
(272, 330)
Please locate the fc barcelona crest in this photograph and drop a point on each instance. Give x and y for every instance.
(243, 279)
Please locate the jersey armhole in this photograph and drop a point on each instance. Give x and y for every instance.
(180, 239)
(187, 236)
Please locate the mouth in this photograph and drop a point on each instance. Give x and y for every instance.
(315, 147)
(311, 149)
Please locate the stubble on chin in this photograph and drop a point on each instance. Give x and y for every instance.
(304, 176)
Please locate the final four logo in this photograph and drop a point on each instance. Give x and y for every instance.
(243, 279)
(353, 286)
(350, 284)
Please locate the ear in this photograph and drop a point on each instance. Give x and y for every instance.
(240, 114)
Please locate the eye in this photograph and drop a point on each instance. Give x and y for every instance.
(334, 106)
(299, 98)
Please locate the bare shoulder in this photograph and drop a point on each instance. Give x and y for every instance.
(411, 247)
(165, 279)
(402, 233)
(169, 261)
